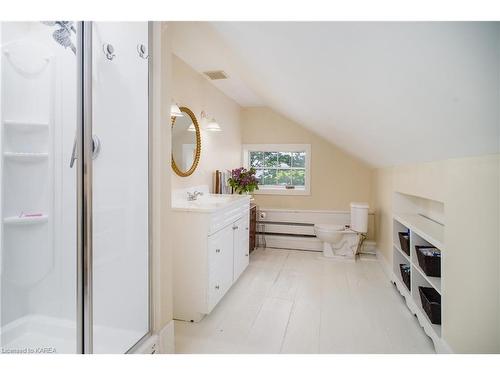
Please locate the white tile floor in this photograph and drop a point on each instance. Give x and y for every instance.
(296, 302)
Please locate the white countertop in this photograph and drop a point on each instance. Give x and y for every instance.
(208, 203)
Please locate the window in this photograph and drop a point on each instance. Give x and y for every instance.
(281, 169)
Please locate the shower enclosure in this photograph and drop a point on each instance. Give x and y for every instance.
(74, 170)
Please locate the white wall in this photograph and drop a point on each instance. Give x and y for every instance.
(219, 150)
(337, 178)
(161, 183)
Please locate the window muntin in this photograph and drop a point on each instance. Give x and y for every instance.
(277, 169)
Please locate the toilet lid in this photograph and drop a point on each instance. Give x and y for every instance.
(330, 227)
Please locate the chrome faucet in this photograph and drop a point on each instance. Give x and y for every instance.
(194, 195)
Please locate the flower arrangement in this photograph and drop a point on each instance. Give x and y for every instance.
(243, 180)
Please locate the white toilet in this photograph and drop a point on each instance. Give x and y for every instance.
(343, 241)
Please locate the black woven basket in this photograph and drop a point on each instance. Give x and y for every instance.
(404, 240)
(430, 264)
(431, 303)
(405, 274)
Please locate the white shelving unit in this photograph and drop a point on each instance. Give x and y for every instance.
(423, 230)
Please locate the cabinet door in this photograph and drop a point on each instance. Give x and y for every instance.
(241, 245)
(220, 265)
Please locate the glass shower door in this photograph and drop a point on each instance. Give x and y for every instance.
(120, 189)
(38, 120)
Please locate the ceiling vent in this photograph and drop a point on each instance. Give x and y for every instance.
(216, 74)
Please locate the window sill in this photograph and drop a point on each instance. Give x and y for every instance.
(281, 191)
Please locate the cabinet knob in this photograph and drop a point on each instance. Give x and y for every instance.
(246, 255)
(217, 250)
(235, 227)
(246, 228)
(217, 287)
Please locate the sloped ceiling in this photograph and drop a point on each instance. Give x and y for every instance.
(388, 93)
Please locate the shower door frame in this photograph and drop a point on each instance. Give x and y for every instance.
(84, 306)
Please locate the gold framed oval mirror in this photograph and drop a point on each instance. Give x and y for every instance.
(186, 143)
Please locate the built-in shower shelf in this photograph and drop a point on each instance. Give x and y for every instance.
(21, 220)
(26, 126)
(25, 157)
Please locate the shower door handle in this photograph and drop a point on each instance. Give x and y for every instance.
(73, 154)
(96, 149)
(96, 146)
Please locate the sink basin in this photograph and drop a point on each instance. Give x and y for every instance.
(216, 198)
(208, 202)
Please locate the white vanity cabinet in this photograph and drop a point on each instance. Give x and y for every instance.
(211, 251)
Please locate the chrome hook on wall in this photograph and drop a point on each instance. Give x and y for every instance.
(109, 51)
(142, 51)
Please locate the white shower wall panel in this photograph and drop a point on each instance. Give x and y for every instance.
(38, 116)
(27, 98)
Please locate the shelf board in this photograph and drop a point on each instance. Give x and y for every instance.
(434, 281)
(25, 156)
(18, 220)
(26, 125)
(429, 230)
(407, 257)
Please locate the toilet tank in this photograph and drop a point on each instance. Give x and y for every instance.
(359, 217)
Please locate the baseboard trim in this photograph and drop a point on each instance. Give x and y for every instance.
(298, 242)
(293, 242)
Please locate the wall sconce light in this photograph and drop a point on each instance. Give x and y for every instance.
(212, 125)
(175, 110)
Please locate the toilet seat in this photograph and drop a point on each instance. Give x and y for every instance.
(344, 241)
(338, 241)
(330, 227)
